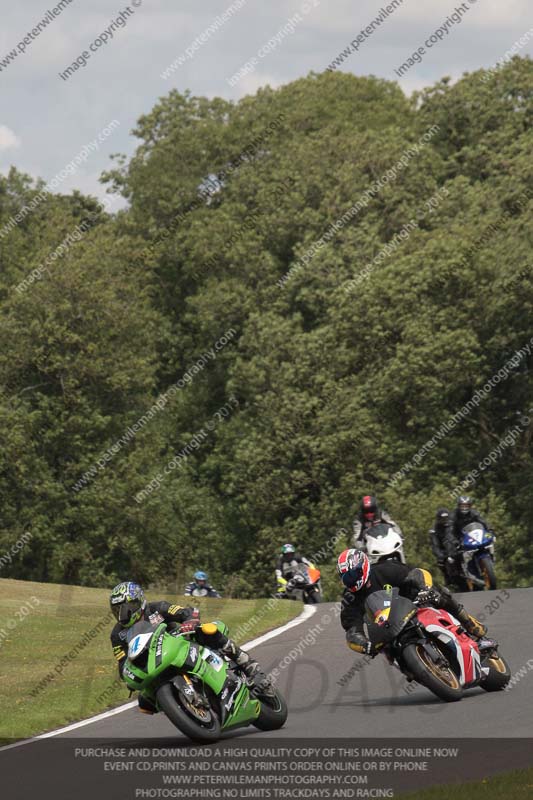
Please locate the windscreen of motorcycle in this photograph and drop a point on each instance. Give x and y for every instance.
(475, 535)
(138, 638)
(387, 614)
(381, 529)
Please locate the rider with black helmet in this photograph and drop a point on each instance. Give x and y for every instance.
(129, 605)
(463, 515)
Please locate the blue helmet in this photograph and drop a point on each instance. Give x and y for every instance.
(200, 576)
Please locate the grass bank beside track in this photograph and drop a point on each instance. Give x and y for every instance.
(517, 785)
(56, 657)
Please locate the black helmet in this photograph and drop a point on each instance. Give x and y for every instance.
(464, 505)
(369, 508)
(441, 517)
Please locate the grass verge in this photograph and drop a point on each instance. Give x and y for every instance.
(43, 687)
(516, 785)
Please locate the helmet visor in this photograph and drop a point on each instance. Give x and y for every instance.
(123, 612)
(353, 577)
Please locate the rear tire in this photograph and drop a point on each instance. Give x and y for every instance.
(273, 714)
(499, 675)
(487, 573)
(443, 683)
(169, 700)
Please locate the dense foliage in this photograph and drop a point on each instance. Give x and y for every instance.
(336, 374)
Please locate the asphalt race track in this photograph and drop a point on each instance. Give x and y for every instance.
(494, 731)
(374, 702)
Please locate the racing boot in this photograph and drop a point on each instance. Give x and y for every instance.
(249, 666)
(471, 625)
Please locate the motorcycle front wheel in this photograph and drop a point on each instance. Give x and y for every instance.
(442, 681)
(198, 723)
(274, 711)
(485, 566)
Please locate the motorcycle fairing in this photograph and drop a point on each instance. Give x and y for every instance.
(444, 627)
(475, 537)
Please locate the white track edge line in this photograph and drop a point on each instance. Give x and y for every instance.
(307, 612)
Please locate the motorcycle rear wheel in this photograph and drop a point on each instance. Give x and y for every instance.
(442, 682)
(171, 702)
(499, 674)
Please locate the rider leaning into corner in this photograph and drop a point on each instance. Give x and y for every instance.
(129, 605)
(370, 514)
(360, 579)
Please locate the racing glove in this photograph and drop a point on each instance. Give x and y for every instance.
(359, 643)
(190, 626)
(428, 597)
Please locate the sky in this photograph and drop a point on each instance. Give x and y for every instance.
(147, 49)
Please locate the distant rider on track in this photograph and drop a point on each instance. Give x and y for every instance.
(287, 564)
(370, 514)
(201, 586)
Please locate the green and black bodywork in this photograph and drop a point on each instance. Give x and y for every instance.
(194, 686)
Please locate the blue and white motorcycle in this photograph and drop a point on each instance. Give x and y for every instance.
(477, 548)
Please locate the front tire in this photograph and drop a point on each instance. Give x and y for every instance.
(499, 674)
(442, 682)
(486, 570)
(274, 712)
(171, 702)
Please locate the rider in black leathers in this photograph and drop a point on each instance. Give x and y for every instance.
(463, 515)
(410, 581)
(129, 605)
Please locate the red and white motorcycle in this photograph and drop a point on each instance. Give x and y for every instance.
(429, 646)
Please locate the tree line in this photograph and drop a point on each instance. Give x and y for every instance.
(341, 374)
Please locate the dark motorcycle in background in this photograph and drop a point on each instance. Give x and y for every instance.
(475, 560)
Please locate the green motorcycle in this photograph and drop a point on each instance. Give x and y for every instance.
(198, 690)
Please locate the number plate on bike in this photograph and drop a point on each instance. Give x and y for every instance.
(213, 659)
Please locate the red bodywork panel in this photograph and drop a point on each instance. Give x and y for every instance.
(467, 650)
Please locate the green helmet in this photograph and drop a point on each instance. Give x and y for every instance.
(287, 548)
(127, 602)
